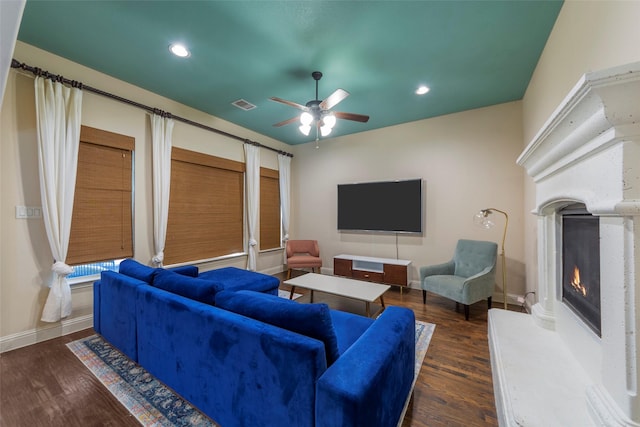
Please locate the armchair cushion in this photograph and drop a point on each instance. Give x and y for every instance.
(311, 320)
(473, 256)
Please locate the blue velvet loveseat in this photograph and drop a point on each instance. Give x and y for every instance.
(248, 358)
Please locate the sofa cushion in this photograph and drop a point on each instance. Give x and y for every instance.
(190, 287)
(132, 268)
(186, 270)
(236, 279)
(312, 320)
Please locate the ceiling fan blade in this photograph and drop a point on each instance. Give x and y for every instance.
(286, 122)
(352, 116)
(333, 99)
(289, 103)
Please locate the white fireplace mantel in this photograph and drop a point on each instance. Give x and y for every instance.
(589, 152)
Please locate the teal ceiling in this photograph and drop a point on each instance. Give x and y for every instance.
(470, 53)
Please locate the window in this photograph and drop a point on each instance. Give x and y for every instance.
(95, 268)
(206, 202)
(102, 221)
(269, 209)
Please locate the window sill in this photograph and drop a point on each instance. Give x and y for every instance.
(84, 281)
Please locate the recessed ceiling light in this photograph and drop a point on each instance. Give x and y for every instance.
(422, 90)
(179, 50)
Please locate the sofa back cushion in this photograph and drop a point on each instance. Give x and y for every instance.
(312, 320)
(190, 287)
(132, 268)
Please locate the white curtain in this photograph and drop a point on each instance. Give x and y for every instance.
(252, 156)
(58, 110)
(284, 165)
(161, 131)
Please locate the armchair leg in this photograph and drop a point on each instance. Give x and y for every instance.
(288, 274)
(489, 302)
(424, 296)
(466, 312)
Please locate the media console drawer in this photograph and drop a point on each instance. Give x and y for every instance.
(370, 276)
(380, 270)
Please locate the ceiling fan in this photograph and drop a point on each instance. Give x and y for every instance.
(318, 112)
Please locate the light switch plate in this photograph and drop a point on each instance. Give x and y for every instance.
(28, 212)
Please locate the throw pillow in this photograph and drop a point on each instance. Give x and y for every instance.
(312, 320)
(133, 268)
(190, 287)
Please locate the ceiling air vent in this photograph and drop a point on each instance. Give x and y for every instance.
(243, 105)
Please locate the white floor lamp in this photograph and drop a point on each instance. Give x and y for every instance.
(482, 219)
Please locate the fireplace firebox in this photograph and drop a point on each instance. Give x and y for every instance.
(581, 264)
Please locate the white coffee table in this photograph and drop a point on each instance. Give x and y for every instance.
(341, 286)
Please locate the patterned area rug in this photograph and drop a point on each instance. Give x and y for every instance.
(285, 294)
(154, 404)
(147, 399)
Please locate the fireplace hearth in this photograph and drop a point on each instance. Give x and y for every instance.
(581, 264)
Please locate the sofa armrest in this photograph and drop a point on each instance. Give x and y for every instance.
(438, 269)
(186, 270)
(369, 384)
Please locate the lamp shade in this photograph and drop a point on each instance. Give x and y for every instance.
(481, 219)
(325, 130)
(305, 129)
(306, 118)
(329, 120)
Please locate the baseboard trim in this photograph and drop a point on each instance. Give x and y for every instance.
(273, 270)
(34, 336)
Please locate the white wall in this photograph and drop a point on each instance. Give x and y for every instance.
(587, 36)
(26, 259)
(10, 17)
(467, 161)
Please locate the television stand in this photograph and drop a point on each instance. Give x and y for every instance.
(380, 270)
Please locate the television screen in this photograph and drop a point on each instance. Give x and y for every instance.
(393, 206)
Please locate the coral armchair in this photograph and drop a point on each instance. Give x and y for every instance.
(303, 254)
(468, 278)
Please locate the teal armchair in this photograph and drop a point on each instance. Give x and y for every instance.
(468, 278)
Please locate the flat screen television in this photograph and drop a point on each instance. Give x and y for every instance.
(388, 206)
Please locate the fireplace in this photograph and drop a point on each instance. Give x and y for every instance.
(575, 360)
(581, 264)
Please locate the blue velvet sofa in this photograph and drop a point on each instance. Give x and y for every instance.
(114, 307)
(248, 358)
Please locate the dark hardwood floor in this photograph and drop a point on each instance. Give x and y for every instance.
(46, 385)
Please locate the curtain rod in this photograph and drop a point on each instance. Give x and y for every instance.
(73, 83)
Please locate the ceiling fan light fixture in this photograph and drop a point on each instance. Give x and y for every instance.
(316, 113)
(305, 129)
(306, 118)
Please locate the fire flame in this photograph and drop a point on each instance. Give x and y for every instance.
(575, 282)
